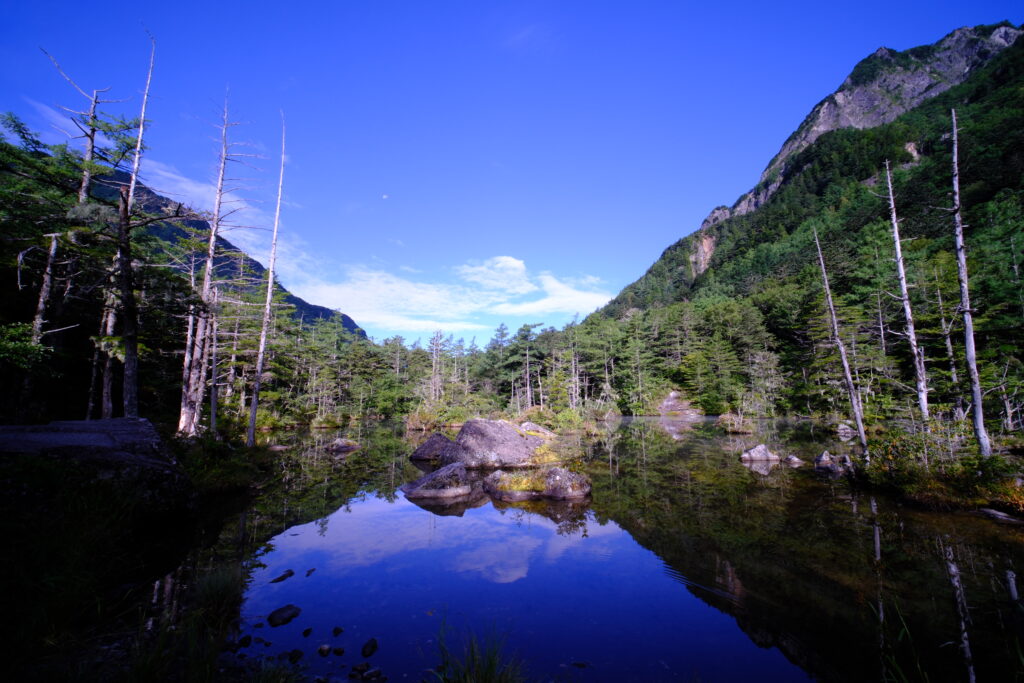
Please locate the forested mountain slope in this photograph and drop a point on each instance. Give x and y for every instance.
(879, 90)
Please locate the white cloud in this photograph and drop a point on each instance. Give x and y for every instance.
(504, 273)
(559, 297)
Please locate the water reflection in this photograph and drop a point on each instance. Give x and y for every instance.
(685, 564)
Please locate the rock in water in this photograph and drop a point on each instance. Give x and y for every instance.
(497, 443)
(282, 615)
(758, 452)
(343, 446)
(288, 573)
(432, 448)
(451, 481)
(370, 647)
(554, 483)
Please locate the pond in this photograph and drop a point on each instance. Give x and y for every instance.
(683, 565)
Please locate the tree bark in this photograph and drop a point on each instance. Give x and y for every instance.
(851, 388)
(970, 354)
(129, 310)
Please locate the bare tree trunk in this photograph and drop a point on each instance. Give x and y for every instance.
(958, 410)
(107, 398)
(250, 437)
(851, 389)
(129, 310)
(213, 364)
(44, 290)
(970, 355)
(915, 351)
(195, 387)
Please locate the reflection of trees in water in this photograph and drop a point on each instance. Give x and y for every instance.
(804, 565)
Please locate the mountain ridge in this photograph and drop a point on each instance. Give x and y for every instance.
(879, 89)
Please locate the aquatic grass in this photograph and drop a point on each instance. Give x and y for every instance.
(480, 662)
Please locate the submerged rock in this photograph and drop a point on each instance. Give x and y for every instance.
(282, 615)
(369, 647)
(793, 461)
(432, 448)
(554, 483)
(496, 443)
(451, 481)
(758, 452)
(343, 446)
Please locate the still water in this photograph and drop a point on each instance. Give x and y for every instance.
(683, 565)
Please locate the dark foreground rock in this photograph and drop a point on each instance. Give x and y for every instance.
(449, 482)
(554, 483)
(283, 615)
(125, 457)
(491, 444)
(431, 449)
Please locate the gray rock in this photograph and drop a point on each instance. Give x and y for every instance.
(492, 444)
(793, 461)
(534, 427)
(758, 452)
(432, 448)
(451, 481)
(282, 615)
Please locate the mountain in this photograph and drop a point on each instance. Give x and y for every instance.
(880, 90)
(231, 261)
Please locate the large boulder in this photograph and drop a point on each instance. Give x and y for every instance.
(490, 444)
(553, 483)
(431, 449)
(451, 481)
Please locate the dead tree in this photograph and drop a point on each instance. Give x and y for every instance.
(250, 437)
(194, 379)
(125, 278)
(915, 351)
(970, 354)
(851, 388)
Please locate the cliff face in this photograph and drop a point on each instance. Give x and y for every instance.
(889, 83)
(882, 87)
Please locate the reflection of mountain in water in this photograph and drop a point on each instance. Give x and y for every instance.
(791, 557)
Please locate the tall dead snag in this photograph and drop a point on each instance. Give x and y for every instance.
(125, 279)
(88, 122)
(250, 436)
(193, 386)
(970, 355)
(851, 388)
(915, 351)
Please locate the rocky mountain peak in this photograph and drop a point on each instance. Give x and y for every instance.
(880, 88)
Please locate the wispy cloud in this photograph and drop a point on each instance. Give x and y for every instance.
(497, 286)
(559, 297)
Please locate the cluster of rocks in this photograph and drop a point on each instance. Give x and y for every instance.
(520, 460)
(761, 460)
(281, 616)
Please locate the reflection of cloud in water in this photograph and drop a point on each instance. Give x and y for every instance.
(500, 561)
(498, 547)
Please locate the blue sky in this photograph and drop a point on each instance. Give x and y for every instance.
(457, 164)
